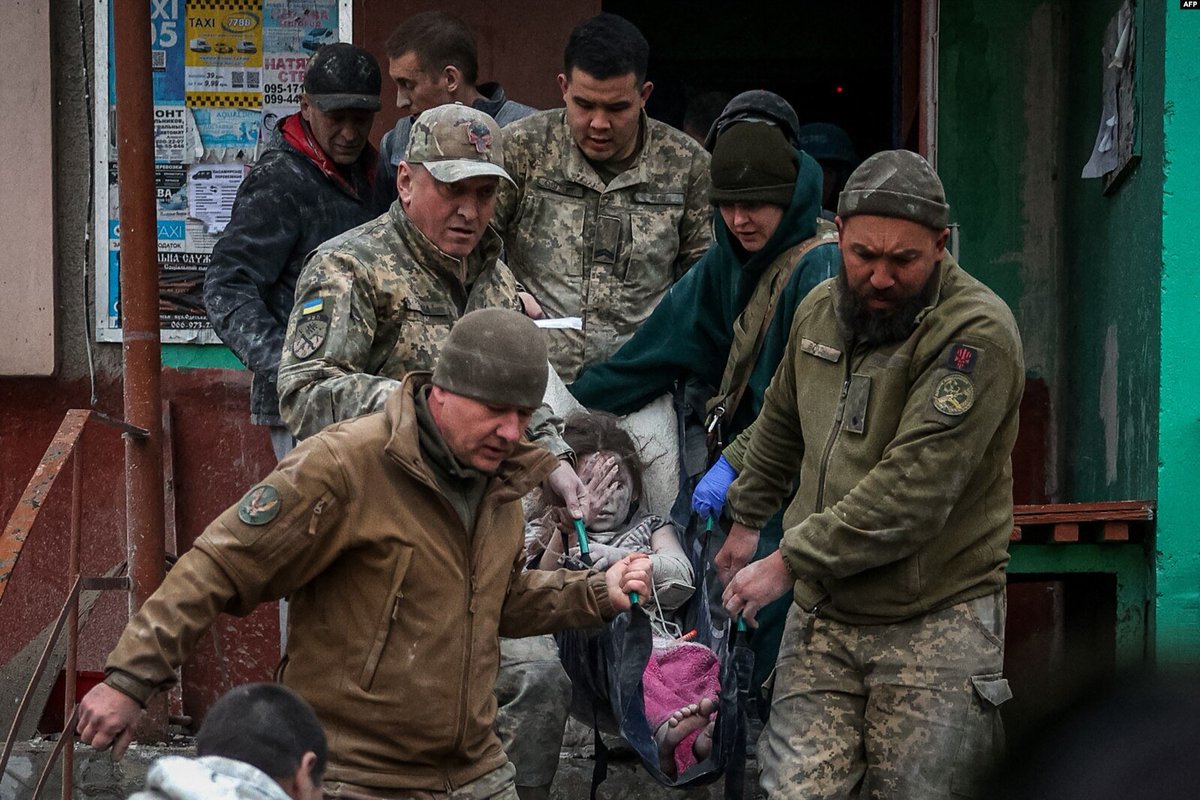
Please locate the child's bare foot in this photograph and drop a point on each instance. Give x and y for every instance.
(679, 726)
(702, 747)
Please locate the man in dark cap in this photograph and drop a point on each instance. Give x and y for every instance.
(399, 537)
(894, 413)
(833, 150)
(314, 186)
(724, 325)
(378, 302)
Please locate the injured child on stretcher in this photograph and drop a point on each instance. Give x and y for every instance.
(680, 682)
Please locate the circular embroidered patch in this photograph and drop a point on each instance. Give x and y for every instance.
(954, 395)
(310, 335)
(260, 505)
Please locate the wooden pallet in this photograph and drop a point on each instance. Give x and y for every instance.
(1066, 523)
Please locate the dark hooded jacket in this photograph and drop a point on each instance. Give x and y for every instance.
(690, 332)
(294, 199)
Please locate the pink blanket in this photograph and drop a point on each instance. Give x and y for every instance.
(677, 676)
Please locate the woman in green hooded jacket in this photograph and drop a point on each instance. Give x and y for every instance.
(768, 198)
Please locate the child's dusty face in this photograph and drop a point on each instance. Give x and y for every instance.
(615, 509)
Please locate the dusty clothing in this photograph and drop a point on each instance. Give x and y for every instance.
(396, 608)
(207, 778)
(904, 710)
(394, 143)
(292, 200)
(496, 785)
(372, 305)
(904, 501)
(533, 695)
(605, 253)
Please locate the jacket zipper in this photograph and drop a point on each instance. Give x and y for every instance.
(833, 434)
(469, 649)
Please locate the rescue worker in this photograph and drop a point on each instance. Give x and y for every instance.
(833, 150)
(315, 185)
(432, 59)
(399, 538)
(725, 323)
(377, 303)
(608, 207)
(895, 407)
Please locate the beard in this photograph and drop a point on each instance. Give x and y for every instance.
(873, 327)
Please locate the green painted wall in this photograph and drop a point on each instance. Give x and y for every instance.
(1177, 617)
(199, 356)
(999, 142)
(1112, 246)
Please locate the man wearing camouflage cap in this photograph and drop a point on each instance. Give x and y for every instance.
(398, 537)
(895, 408)
(316, 184)
(608, 207)
(378, 302)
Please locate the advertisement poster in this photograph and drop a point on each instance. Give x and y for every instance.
(225, 74)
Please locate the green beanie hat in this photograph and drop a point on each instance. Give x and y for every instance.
(496, 356)
(896, 183)
(753, 163)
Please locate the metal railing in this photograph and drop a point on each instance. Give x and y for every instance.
(63, 447)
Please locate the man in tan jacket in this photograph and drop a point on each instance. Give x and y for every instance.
(397, 538)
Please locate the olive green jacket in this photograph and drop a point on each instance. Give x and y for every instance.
(902, 451)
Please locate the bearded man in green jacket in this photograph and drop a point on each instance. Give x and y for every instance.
(894, 413)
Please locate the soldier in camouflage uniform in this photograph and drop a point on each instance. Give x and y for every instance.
(895, 406)
(378, 302)
(313, 186)
(608, 207)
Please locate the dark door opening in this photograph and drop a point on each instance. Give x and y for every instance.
(853, 65)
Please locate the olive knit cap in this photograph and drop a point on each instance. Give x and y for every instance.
(496, 356)
(896, 183)
(753, 163)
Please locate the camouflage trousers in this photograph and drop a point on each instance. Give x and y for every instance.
(496, 785)
(902, 711)
(533, 693)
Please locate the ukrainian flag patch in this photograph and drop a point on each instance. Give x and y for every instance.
(312, 306)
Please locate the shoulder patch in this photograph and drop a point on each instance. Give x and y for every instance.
(310, 335)
(260, 505)
(954, 395)
(962, 358)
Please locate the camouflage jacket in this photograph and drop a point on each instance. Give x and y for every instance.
(902, 450)
(371, 305)
(605, 254)
(284, 209)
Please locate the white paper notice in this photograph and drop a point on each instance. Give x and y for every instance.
(211, 191)
(570, 323)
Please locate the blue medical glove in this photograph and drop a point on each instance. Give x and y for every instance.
(709, 497)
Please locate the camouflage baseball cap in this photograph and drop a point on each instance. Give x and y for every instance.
(497, 356)
(896, 183)
(455, 142)
(343, 76)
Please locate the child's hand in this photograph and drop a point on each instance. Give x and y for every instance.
(604, 555)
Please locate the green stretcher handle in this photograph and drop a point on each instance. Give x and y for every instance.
(586, 556)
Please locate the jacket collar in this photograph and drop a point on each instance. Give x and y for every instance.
(298, 135)
(428, 254)
(578, 170)
(516, 477)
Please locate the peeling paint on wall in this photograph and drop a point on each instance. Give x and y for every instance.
(1110, 413)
